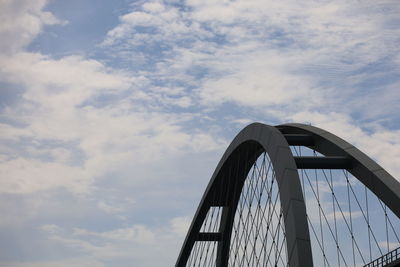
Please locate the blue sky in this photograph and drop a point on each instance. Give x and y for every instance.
(113, 114)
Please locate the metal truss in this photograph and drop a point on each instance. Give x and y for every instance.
(254, 210)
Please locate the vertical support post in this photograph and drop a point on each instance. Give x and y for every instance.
(223, 245)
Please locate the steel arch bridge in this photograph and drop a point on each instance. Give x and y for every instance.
(295, 195)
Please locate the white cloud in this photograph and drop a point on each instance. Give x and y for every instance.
(153, 7)
(21, 22)
(129, 244)
(26, 175)
(64, 82)
(136, 233)
(84, 262)
(110, 139)
(112, 209)
(283, 55)
(60, 105)
(259, 80)
(180, 225)
(299, 62)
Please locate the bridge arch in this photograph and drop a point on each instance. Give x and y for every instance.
(228, 179)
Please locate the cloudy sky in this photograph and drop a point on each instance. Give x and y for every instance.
(114, 114)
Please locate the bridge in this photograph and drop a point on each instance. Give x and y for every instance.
(295, 195)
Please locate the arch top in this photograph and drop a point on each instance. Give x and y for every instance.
(366, 170)
(248, 144)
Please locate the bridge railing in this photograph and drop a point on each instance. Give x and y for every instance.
(386, 260)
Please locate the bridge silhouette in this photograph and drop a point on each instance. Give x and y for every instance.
(295, 195)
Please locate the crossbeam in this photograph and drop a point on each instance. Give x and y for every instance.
(203, 236)
(323, 162)
(299, 139)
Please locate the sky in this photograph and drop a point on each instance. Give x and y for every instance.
(114, 114)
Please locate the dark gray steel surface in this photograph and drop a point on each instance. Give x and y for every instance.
(209, 237)
(323, 162)
(299, 139)
(230, 175)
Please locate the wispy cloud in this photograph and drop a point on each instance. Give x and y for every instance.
(293, 61)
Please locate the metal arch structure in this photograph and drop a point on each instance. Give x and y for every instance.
(228, 179)
(229, 176)
(367, 171)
